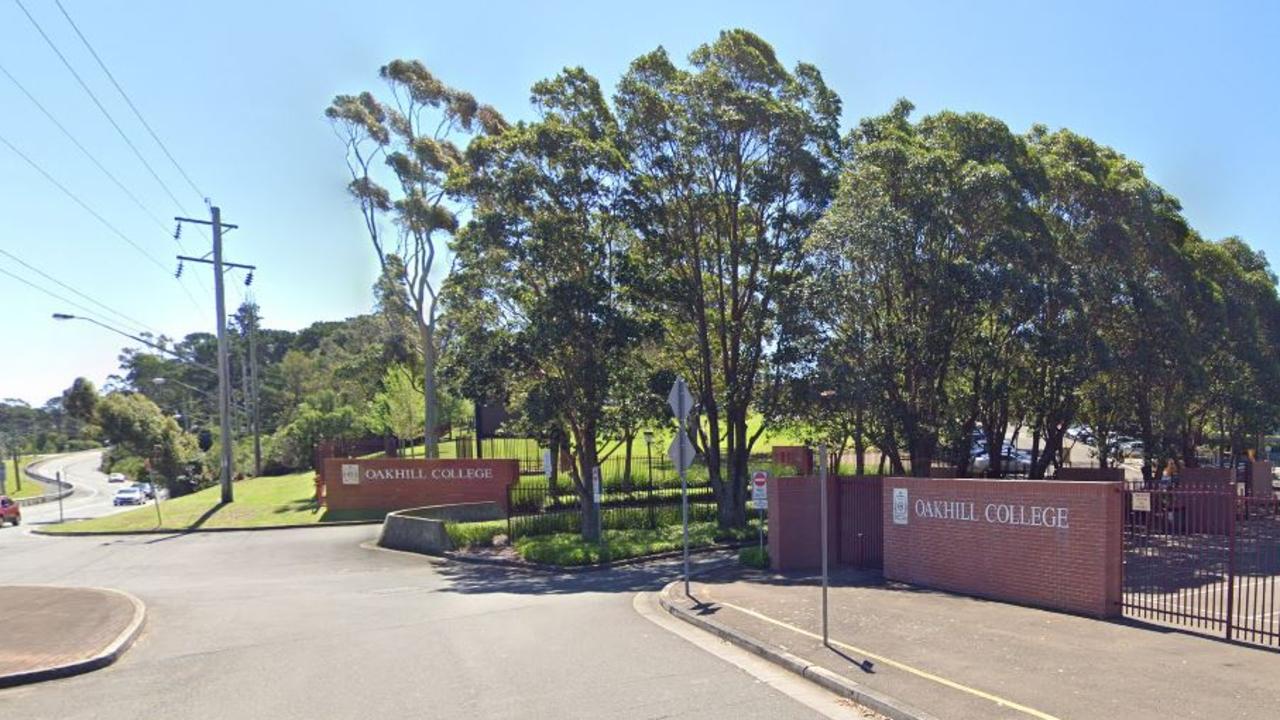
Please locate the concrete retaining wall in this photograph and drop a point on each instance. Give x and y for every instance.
(422, 530)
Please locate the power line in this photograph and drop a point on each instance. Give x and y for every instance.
(99, 303)
(97, 102)
(35, 166)
(136, 201)
(52, 294)
(128, 101)
(106, 223)
(84, 150)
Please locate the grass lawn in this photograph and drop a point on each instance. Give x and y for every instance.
(30, 488)
(260, 502)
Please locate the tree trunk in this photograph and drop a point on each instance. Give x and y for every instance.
(629, 438)
(859, 447)
(587, 460)
(431, 447)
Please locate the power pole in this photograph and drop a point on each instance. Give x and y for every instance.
(224, 364)
(253, 388)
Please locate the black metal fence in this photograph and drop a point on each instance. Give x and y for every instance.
(539, 511)
(1203, 556)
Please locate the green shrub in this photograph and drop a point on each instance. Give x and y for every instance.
(475, 533)
(754, 556)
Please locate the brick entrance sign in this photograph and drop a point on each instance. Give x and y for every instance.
(386, 484)
(1054, 544)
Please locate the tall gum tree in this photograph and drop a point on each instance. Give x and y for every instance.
(413, 137)
(542, 257)
(732, 162)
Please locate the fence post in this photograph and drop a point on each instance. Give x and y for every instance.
(1231, 563)
(510, 511)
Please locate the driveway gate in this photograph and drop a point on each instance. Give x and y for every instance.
(1203, 556)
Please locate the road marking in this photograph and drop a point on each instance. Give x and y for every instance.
(1003, 702)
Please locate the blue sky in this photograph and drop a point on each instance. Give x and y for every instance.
(236, 90)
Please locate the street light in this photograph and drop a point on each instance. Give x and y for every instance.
(135, 338)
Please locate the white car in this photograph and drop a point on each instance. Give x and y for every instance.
(129, 496)
(116, 477)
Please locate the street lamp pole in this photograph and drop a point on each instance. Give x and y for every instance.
(135, 338)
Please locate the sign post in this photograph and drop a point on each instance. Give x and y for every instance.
(681, 454)
(822, 504)
(61, 485)
(595, 496)
(760, 498)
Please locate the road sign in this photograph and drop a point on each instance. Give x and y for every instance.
(759, 490)
(1142, 502)
(680, 400)
(681, 452)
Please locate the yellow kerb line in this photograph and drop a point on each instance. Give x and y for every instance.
(901, 666)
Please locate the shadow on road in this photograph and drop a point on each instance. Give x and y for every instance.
(474, 578)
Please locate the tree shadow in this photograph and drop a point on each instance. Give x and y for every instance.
(475, 578)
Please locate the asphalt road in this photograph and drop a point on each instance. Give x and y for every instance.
(93, 494)
(313, 623)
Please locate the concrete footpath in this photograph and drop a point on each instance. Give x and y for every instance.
(950, 656)
(50, 632)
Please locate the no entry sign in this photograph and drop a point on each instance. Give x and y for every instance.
(759, 490)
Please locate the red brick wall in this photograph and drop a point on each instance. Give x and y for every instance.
(795, 535)
(797, 456)
(1076, 568)
(388, 484)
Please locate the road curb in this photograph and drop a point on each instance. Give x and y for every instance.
(197, 531)
(838, 684)
(109, 654)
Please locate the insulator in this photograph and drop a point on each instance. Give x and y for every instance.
(248, 279)
(179, 273)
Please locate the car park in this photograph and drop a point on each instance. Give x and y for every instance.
(10, 511)
(129, 496)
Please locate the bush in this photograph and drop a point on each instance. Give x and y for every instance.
(475, 533)
(754, 556)
(571, 549)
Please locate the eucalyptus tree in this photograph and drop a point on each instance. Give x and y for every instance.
(413, 137)
(733, 160)
(546, 254)
(920, 250)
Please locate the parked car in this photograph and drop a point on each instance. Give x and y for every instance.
(1012, 460)
(1132, 448)
(10, 511)
(129, 496)
(116, 477)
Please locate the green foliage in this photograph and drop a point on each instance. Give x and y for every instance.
(568, 549)
(754, 556)
(732, 162)
(475, 533)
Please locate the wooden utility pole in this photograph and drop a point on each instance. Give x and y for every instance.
(224, 364)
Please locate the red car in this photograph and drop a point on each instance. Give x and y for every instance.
(9, 511)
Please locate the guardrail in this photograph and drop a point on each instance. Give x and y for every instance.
(66, 488)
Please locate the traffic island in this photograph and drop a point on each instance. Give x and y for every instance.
(53, 632)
